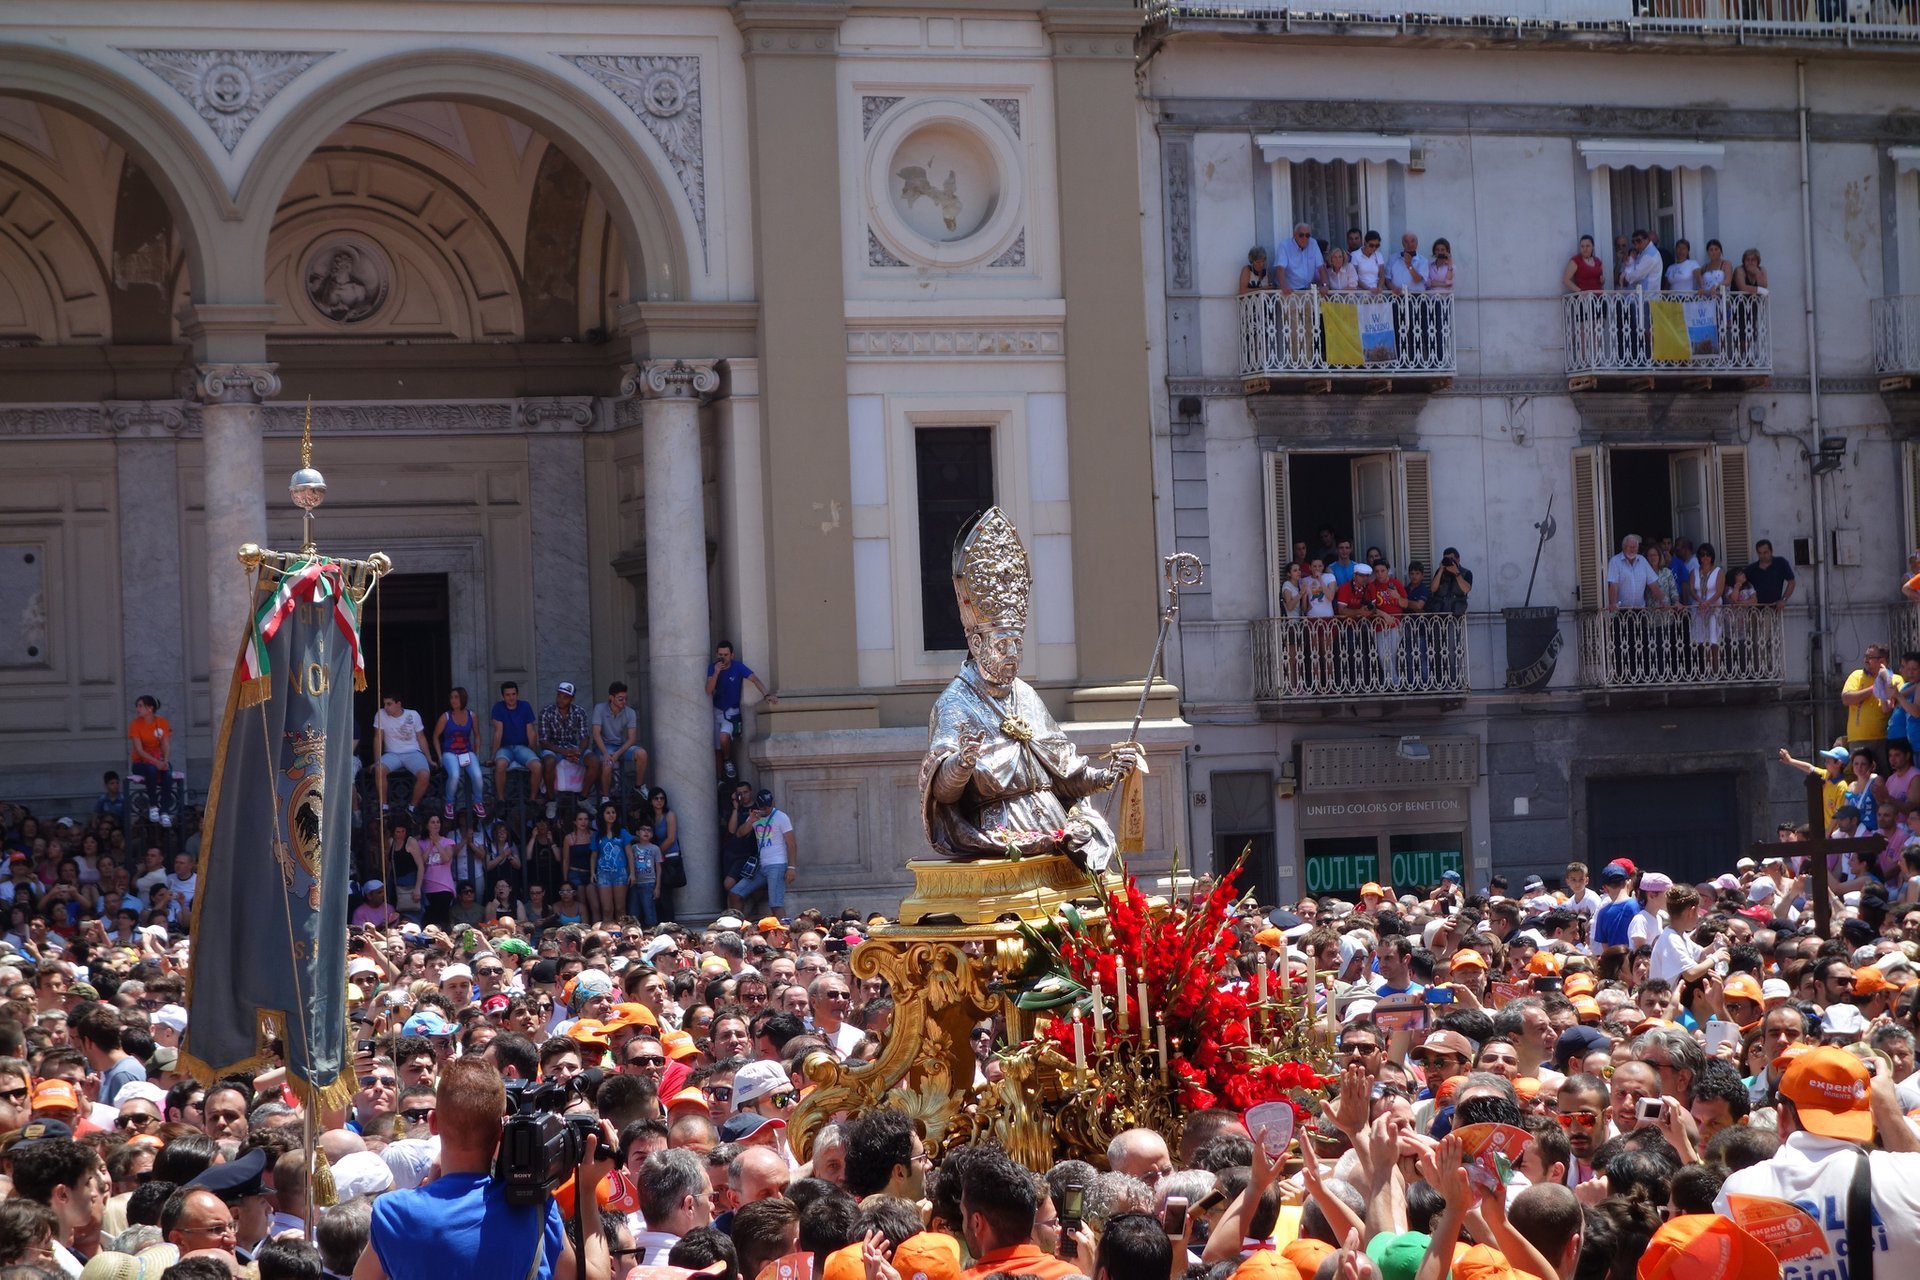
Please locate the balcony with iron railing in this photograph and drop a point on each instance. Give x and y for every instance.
(1896, 339)
(1620, 338)
(1677, 648)
(1298, 660)
(1813, 23)
(1346, 337)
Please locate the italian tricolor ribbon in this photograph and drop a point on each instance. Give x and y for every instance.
(314, 581)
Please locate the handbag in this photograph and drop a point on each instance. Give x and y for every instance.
(673, 872)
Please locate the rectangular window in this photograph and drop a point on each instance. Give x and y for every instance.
(1330, 197)
(1647, 200)
(953, 476)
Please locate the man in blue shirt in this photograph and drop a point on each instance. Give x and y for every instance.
(1612, 922)
(725, 676)
(1300, 260)
(463, 1219)
(514, 742)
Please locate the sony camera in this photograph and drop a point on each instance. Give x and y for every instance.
(541, 1145)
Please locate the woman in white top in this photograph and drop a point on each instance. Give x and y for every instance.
(1709, 585)
(1684, 275)
(1714, 271)
(1370, 264)
(1339, 275)
(1677, 958)
(1292, 596)
(1319, 587)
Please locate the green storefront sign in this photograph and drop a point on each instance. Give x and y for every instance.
(1423, 867)
(1340, 872)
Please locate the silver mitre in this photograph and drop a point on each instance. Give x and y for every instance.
(991, 576)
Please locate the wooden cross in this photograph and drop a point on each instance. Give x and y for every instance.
(1818, 846)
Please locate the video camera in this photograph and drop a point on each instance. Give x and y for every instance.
(540, 1145)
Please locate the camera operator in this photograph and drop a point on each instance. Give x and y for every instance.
(464, 1214)
(1452, 584)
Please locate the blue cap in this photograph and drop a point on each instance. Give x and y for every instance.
(43, 1131)
(427, 1022)
(1451, 876)
(1835, 753)
(742, 1125)
(237, 1180)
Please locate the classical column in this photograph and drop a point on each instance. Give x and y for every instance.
(678, 611)
(562, 594)
(153, 633)
(233, 469)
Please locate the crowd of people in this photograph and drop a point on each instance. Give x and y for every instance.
(1667, 1047)
(1639, 267)
(1360, 266)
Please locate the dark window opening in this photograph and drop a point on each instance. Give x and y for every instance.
(953, 469)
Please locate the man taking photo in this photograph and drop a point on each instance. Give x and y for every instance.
(464, 1213)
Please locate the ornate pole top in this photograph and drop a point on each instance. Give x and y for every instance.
(308, 488)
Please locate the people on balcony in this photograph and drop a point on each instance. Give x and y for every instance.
(1683, 561)
(1750, 276)
(1300, 260)
(1440, 270)
(1407, 270)
(1642, 271)
(1770, 576)
(1631, 581)
(1256, 276)
(1869, 697)
(1660, 562)
(1370, 263)
(1585, 272)
(1339, 275)
(1452, 584)
(1714, 271)
(1343, 566)
(1684, 275)
(1706, 586)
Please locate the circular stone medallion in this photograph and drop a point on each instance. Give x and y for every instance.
(347, 278)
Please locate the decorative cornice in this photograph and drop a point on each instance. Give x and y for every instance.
(558, 413)
(670, 380)
(235, 383)
(1100, 34)
(227, 88)
(788, 30)
(399, 417)
(50, 420)
(958, 343)
(146, 419)
(663, 92)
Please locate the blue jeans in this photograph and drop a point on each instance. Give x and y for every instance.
(771, 878)
(457, 763)
(640, 903)
(159, 784)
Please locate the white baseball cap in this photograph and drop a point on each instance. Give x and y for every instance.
(171, 1015)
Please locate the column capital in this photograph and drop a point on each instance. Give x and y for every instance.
(670, 379)
(809, 28)
(235, 383)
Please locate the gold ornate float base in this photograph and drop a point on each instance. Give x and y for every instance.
(958, 893)
(945, 977)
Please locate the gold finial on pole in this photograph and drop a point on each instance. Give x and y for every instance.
(308, 488)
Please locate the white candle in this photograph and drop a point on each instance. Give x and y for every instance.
(1099, 1016)
(1260, 980)
(1120, 999)
(1079, 1045)
(1143, 1013)
(1160, 1038)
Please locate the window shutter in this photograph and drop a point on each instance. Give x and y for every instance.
(1589, 526)
(1736, 530)
(1910, 456)
(1416, 523)
(1279, 545)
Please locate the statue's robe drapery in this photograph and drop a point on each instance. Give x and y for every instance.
(1035, 787)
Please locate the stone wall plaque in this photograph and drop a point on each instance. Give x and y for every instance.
(23, 605)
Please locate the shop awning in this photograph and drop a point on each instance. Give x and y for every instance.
(1351, 147)
(1628, 153)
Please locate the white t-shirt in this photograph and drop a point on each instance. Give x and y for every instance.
(772, 837)
(1368, 267)
(1323, 607)
(184, 890)
(1645, 927)
(401, 732)
(1814, 1173)
(1587, 903)
(1680, 276)
(1673, 953)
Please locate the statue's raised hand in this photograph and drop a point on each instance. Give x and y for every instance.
(972, 743)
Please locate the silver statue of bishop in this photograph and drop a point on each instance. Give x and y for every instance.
(1000, 778)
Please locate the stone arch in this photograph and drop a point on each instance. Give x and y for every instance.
(177, 162)
(611, 151)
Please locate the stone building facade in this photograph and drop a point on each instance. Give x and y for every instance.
(625, 329)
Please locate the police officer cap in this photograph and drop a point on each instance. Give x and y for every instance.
(235, 1181)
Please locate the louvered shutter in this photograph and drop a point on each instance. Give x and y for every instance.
(1736, 530)
(1279, 542)
(1416, 517)
(1589, 526)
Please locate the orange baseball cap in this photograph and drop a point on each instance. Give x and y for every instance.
(689, 1099)
(1579, 984)
(630, 1015)
(1375, 890)
(1528, 1087)
(1271, 938)
(846, 1263)
(55, 1095)
(1483, 1262)
(1587, 1007)
(1828, 1088)
(679, 1044)
(931, 1255)
(1267, 1264)
(1705, 1246)
(1869, 980)
(768, 924)
(1544, 964)
(1467, 958)
(588, 1031)
(1744, 986)
(1307, 1255)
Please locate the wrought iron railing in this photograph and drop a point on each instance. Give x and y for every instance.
(1354, 335)
(1903, 629)
(1663, 648)
(1304, 658)
(1815, 21)
(1896, 334)
(1626, 332)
